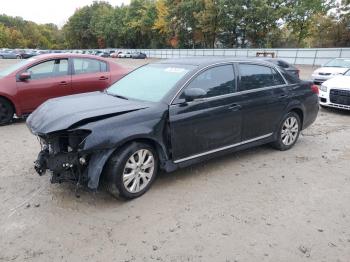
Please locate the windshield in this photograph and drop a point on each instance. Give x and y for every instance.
(339, 63)
(16, 66)
(150, 83)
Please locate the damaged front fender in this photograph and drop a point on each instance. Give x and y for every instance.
(80, 152)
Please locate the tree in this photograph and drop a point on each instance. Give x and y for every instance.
(300, 14)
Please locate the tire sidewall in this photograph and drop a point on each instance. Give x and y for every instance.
(117, 164)
(281, 145)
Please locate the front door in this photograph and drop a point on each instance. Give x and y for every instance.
(209, 123)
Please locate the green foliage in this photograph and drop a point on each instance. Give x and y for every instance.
(18, 33)
(189, 24)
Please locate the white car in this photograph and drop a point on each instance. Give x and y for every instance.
(333, 68)
(336, 92)
(125, 55)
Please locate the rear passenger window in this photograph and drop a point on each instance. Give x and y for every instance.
(215, 81)
(88, 66)
(258, 76)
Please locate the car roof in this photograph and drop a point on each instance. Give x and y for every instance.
(70, 55)
(209, 60)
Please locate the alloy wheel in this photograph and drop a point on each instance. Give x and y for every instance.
(290, 130)
(138, 170)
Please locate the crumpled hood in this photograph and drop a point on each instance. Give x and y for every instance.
(62, 113)
(332, 70)
(341, 82)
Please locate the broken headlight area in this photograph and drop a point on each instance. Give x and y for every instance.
(62, 153)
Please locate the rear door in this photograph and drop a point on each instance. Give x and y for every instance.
(49, 79)
(263, 97)
(90, 75)
(209, 123)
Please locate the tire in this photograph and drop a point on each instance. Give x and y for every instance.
(125, 176)
(6, 111)
(288, 132)
(18, 57)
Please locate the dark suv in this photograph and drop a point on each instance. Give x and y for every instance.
(169, 115)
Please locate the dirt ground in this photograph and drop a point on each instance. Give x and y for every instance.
(255, 205)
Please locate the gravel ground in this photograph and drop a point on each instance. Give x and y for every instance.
(255, 205)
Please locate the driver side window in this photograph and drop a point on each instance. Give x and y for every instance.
(216, 81)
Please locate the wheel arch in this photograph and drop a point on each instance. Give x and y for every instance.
(158, 147)
(13, 105)
(297, 107)
(300, 113)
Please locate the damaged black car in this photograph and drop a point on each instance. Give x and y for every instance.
(167, 115)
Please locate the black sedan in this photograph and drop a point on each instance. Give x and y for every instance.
(168, 115)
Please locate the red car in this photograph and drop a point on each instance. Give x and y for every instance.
(26, 85)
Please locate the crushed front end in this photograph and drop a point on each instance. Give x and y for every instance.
(62, 153)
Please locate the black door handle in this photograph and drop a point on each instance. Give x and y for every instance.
(234, 107)
(63, 83)
(103, 78)
(283, 95)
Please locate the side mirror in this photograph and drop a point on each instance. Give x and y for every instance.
(194, 93)
(24, 76)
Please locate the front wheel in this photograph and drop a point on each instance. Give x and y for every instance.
(6, 112)
(131, 171)
(288, 132)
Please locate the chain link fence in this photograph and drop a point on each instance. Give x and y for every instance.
(300, 56)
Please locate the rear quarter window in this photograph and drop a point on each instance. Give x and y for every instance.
(291, 79)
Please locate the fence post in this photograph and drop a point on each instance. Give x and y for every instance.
(341, 52)
(313, 64)
(296, 56)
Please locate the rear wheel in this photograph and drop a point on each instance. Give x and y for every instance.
(6, 111)
(131, 171)
(288, 132)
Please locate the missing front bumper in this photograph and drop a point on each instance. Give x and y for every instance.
(63, 166)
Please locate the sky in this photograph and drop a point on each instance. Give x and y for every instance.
(47, 11)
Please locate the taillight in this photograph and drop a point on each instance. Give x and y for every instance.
(315, 90)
